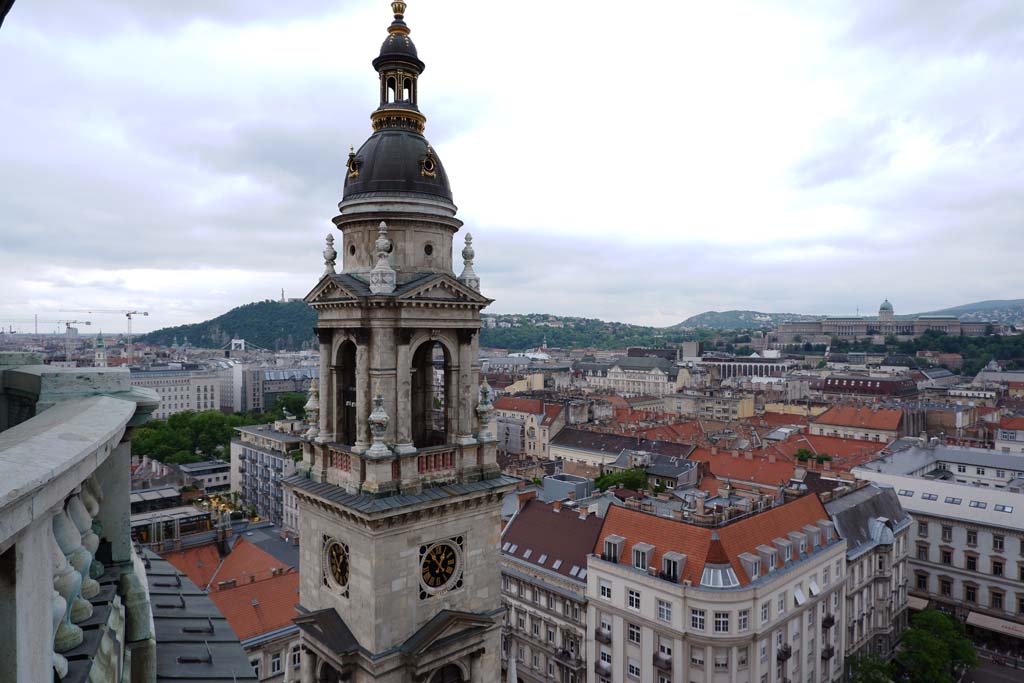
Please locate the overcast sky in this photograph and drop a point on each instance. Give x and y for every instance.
(640, 162)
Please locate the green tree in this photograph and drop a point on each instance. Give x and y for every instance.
(804, 454)
(870, 669)
(934, 647)
(294, 403)
(823, 458)
(634, 479)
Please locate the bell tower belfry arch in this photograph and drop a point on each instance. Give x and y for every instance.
(399, 493)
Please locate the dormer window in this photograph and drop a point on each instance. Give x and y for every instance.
(829, 529)
(768, 558)
(785, 548)
(751, 565)
(612, 548)
(642, 555)
(672, 564)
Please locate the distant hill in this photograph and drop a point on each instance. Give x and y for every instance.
(273, 325)
(740, 320)
(1009, 311)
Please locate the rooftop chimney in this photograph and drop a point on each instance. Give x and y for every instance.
(556, 506)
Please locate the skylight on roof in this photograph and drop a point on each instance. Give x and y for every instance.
(1004, 508)
(954, 501)
(929, 496)
(906, 492)
(513, 548)
(574, 571)
(979, 504)
(527, 553)
(557, 564)
(542, 559)
(582, 574)
(506, 546)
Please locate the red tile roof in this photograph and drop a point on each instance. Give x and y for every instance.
(534, 406)
(759, 468)
(260, 607)
(551, 413)
(861, 417)
(245, 563)
(559, 535)
(1012, 423)
(699, 544)
(782, 419)
(198, 563)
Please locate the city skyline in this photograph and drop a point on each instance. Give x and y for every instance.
(788, 158)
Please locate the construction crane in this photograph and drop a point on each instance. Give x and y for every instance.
(126, 313)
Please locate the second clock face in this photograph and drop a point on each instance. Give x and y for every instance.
(439, 565)
(337, 562)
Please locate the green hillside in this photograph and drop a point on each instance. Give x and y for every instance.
(275, 325)
(740, 320)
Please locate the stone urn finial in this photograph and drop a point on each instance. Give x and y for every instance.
(469, 276)
(330, 256)
(382, 277)
(378, 421)
(312, 409)
(484, 410)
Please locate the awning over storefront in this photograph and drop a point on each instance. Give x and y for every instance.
(1009, 628)
(914, 602)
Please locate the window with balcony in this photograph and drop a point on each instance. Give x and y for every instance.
(641, 556)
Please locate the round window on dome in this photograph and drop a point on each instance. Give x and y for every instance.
(351, 250)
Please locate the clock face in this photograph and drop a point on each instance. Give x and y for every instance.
(439, 565)
(337, 563)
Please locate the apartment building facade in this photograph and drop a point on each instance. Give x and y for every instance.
(180, 389)
(758, 600)
(260, 459)
(543, 586)
(876, 529)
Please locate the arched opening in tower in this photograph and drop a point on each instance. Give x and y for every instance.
(345, 387)
(450, 673)
(431, 378)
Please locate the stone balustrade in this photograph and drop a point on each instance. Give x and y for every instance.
(65, 543)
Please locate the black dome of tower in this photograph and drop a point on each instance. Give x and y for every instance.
(397, 159)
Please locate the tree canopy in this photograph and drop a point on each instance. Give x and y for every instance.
(631, 479)
(933, 648)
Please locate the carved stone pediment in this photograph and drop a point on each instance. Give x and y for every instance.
(329, 289)
(443, 289)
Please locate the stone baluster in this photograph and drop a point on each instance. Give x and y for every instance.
(60, 609)
(68, 584)
(92, 496)
(70, 542)
(83, 522)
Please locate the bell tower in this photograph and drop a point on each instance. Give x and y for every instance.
(399, 492)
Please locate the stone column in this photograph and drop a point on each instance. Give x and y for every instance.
(327, 388)
(111, 486)
(466, 390)
(364, 398)
(308, 666)
(382, 377)
(403, 413)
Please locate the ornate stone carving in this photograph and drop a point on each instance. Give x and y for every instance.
(330, 256)
(378, 422)
(382, 277)
(469, 276)
(484, 409)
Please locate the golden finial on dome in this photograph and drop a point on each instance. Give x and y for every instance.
(398, 7)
